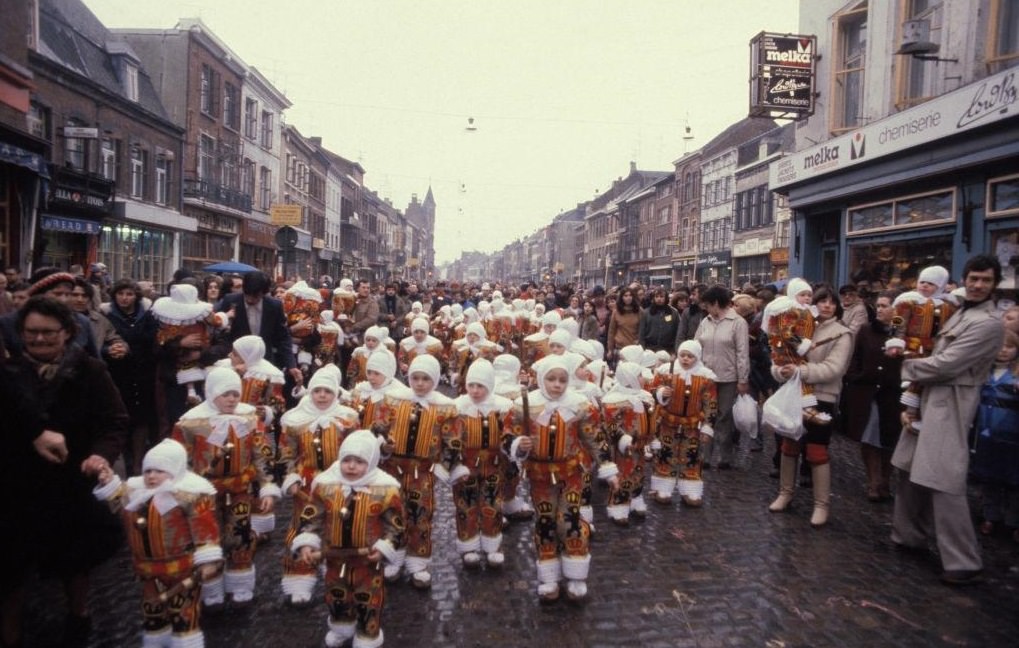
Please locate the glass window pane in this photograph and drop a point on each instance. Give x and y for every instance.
(924, 209)
(897, 265)
(872, 217)
(1004, 196)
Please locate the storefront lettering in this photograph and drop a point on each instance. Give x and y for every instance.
(998, 97)
(911, 127)
(79, 198)
(827, 156)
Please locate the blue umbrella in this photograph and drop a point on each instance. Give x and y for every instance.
(229, 266)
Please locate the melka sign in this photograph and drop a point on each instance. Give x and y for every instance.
(782, 74)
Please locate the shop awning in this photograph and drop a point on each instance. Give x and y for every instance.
(20, 157)
(55, 223)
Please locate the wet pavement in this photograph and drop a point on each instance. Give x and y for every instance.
(729, 574)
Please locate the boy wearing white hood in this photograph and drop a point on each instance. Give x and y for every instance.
(312, 434)
(222, 444)
(535, 345)
(169, 516)
(416, 311)
(628, 412)
(331, 338)
(262, 387)
(423, 442)
(919, 315)
(355, 523)
(478, 497)
(380, 372)
(475, 347)
(373, 342)
(688, 404)
(507, 385)
(550, 426)
(420, 343)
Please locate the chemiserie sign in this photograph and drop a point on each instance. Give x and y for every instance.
(782, 76)
(987, 101)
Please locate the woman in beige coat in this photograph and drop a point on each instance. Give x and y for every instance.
(827, 361)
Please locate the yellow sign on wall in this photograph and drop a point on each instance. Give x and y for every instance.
(286, 215)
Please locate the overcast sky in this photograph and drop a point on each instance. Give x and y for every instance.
(563, 93)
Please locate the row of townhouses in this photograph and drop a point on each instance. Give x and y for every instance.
(153, 149)
(910, 158)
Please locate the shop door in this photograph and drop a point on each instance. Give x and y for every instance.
(829, 264)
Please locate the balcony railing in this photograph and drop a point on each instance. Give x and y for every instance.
(217, 194)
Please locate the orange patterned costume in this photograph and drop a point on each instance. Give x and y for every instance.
(790, 329)
(917, 321)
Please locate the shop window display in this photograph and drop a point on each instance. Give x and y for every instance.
(880, 265)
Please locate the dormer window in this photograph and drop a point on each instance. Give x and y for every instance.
(126, 63)
(130, 81)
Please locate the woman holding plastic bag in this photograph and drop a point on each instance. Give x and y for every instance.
(826, 362)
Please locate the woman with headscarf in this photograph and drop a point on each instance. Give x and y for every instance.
(478, 497)
(312, 433)
(169, 515)
(73, 395)
(627, 411)
(223, 446)
(687, 408)
(547, 428)
(355, 523)
(423, 442)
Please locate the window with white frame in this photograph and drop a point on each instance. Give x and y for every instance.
(248, 177)
(231, 106)
(251, 119)
(916, 77)
(265, 183)
(37, 121)
(207, 90)
(1003, 32)
(206, 159)
(130, 81)
(137, 172)
(850, 49)
(918, 210)
(108, 158)
(267, 130)
(1003, 196)
(162, 180)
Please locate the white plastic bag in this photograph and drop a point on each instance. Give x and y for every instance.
(783, 412)
(744, 414)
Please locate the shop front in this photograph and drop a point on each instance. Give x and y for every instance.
(714, 268)
(258, 245)
(934, 184)
(141, 241)
(215, 240)
(21, 172)
(70, 221)
(683, 271)
(752, 261)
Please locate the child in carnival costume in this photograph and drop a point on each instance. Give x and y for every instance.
(507, 384)
(919, 315)
(476, 346)
(373, 337)
(416, 311)
(789, 323)
(534, 346)
(222, 443)
(170, 521)
(344, 300)
(301, 304)
(423, 442)
(687, 406)
(330, 339)
(478, 497)
(312, 434)
(627, 414)
(420, 343)
(356, 523)
(380, 379)
(180, 317)
(548, 428)
(261, 386)
(577, 357)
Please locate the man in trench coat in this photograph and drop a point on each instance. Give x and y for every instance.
(931, 497)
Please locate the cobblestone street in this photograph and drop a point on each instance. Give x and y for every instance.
(729, 574)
